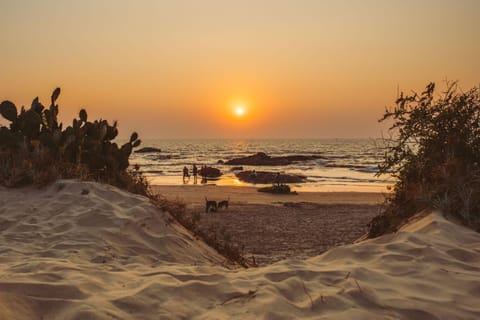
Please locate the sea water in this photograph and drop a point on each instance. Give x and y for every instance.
(345, 164)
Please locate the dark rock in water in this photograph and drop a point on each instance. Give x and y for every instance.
(264, 177)
(278, 189)
(209, 172)
(237, 168)
(262, 159)
(220, 162)
(148, 150)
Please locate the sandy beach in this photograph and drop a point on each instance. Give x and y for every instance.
(270, 227)
(195, 195)
(82, 250)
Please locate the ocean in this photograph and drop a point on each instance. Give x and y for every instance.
(346, 164)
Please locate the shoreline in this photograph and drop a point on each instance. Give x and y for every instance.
(195, 195)
(229, 180)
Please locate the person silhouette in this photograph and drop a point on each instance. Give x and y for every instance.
(185, 174)
(203, 173)
(253, 176)
(277, 179)
(194, 172)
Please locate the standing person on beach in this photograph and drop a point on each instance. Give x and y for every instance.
(203, 173)
(194, 172)
(277, 179)
(185, 174)
(254, 176)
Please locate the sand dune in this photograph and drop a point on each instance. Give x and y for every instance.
(111, 255)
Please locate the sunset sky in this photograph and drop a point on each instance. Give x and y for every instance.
(185, 69)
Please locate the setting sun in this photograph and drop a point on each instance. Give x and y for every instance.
(239, 108)
(239, 111)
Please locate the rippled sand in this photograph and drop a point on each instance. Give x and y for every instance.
(111, 255)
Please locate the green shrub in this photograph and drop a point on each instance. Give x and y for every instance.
(434, 154)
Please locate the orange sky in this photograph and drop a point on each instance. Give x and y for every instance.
(172, 69)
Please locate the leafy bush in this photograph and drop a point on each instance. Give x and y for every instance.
(35, 148)
(434, 155)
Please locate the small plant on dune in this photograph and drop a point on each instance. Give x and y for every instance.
(435, 156)
(35, 148)
(214, 236)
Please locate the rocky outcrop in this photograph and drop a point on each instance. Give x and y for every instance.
(209, 172)
(265, 177)
(148, 150)
(262, 159)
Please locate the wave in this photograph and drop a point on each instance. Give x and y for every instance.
(354, 160)
(369, 169)
(348, 166)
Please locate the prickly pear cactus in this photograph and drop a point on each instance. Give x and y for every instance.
(8, 110)
(83, 143)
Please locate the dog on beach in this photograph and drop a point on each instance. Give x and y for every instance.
(210, 205)
(223, 204)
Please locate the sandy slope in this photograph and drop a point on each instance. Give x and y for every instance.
(111, 255)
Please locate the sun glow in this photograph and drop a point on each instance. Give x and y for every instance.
(239, 109)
